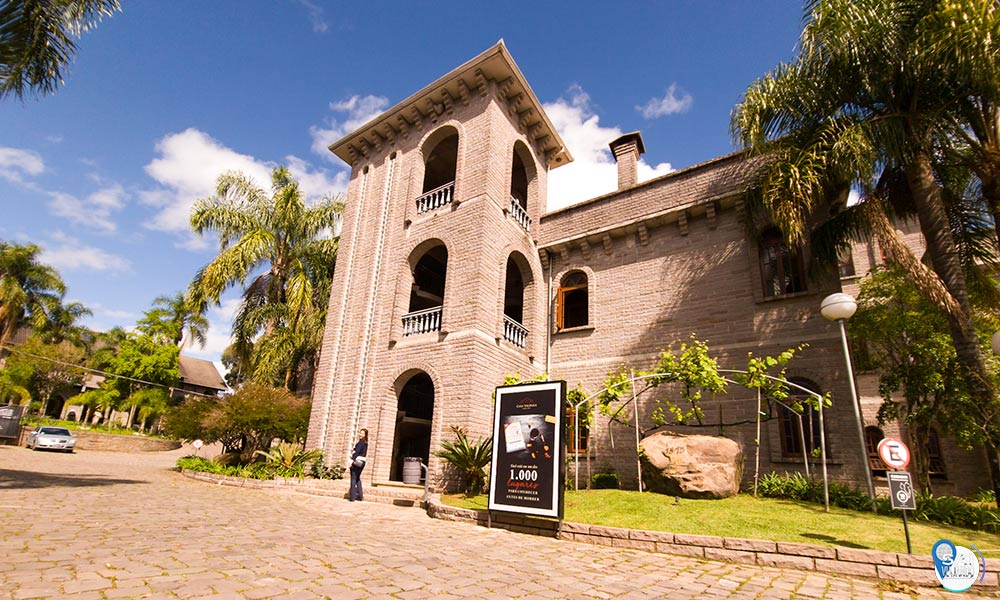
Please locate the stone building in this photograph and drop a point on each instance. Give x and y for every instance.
(451, 276)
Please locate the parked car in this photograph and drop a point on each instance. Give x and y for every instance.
(51, 438)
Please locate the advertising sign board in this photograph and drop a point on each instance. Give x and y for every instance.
(527, 474)
(901, 490)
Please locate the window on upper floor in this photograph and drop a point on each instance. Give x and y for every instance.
(874, 435)
(573, 302)
(513, 294)
(781, 266)
(441, 163)
(429, 274)
(845, 263)
(935, 462)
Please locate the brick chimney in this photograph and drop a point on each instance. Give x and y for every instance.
(627, 149)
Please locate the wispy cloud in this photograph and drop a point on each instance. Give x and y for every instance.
(673, 101)
(65, 252)
(593, 171)
(315, 13)
(359, 110)
(189, 164)
(16, 164)
(94, 211)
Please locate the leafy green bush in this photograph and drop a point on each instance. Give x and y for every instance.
(605, 481)
(289, 460)
(203, 465)
(318, 470)
(947, 510)
(469, 458)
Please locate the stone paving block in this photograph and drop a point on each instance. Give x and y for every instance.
(786, 561)
(869, 557)
(705, 541)
(611, 532)
(807, 550)
(652, 536)
(908, 575)
(736, 556)
(846, 568)
(749, 545)
(680, 549)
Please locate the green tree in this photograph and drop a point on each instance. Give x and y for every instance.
(62, 325)
(288, 250)
(29, 290)
(877, 89)
(146, 358)
(36, 41)
(52, 367)
(244, 422)
(906, 340)
(176, 319)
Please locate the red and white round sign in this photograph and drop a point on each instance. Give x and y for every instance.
(894, 453)
(197, 444)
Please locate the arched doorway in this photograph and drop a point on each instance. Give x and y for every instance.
(414, 414)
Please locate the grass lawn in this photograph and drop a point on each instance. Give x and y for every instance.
(758, 518)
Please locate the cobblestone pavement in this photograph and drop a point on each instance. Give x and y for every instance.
(105, 525)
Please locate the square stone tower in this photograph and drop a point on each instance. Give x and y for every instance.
(439, 290)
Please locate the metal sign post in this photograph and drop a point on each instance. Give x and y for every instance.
(896, 455)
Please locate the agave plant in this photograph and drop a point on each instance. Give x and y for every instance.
(469, 458)
(289, 460)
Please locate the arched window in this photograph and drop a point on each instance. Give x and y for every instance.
(519, 182)
(781, 267)
(874, 435)
(439, 173)
(573, 302)
(429, 276)
(441, 163)
(791, 439)
(513, 294)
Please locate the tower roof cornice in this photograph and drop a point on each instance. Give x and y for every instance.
(491, 72)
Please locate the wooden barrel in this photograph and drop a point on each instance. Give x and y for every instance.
(411, 469)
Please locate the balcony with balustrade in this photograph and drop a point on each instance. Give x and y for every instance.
(422, 321)
(514, 332)
(436, 198)
(520, 215)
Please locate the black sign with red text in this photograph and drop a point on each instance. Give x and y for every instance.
(528, 474)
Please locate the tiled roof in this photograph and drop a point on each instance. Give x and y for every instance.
(196, 371)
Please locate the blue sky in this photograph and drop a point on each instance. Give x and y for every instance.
(165, 96)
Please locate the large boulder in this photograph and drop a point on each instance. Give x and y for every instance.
(691, 466)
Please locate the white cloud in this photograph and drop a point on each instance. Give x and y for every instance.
(319, 24)
(669, 104)
(94, 211)
(593, 171)
(188, 166)
(15, 164)
(359, 109)
(68, 253)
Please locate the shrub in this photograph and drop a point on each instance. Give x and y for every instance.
(947, 510)
(605, 480)
(319, 470)
(289, 460)
(203, 465)
(469, 458)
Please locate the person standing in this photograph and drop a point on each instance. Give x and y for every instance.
(358, 458)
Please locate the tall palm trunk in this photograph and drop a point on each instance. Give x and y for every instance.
(945, 259)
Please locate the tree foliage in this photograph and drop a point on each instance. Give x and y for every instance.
(29, 290)
(286, 250)
(51, 367)
(244, 422)
(882, 96)
(36, 41)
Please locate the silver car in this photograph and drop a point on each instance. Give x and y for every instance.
(51, 438)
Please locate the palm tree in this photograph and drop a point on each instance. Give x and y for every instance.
(173, 317)
(285, 248)
(878, 87)
(29, 290)
(61, 325)
(36, 41)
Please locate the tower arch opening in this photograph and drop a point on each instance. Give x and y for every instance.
(414, 415)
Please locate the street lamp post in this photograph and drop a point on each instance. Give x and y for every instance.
(840, 307)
